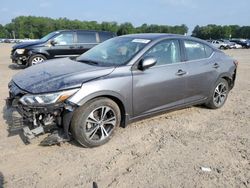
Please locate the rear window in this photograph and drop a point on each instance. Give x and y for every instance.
(86, 37)
(105, 36)
(196, 50)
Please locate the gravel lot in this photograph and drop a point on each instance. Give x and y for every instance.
(164, 151)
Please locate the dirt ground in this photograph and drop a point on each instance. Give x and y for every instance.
(164, 151)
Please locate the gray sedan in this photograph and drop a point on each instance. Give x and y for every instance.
(119, 81)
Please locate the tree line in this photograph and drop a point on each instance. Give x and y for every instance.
(36, 27)
(221, 32)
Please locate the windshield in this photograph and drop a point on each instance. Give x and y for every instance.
(48, 36)
(116, 51)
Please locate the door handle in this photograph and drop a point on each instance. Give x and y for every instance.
(71, 47)
(216, 65)
(181, 72)
(80, 47)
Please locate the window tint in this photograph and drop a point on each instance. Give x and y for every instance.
(165, 52)
(64, 38)
(194, 50)
(86, 37)
(208, 50)
(105, 36)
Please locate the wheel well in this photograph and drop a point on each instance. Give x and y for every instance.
(45, 55)
(229, 81)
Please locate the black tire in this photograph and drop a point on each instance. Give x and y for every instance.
(34, 57)
(89, 131)
(219, 94)
(223, 47)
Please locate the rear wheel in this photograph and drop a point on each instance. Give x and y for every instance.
(223, 47)
(93, 124)
(219, 96)
(35, 59)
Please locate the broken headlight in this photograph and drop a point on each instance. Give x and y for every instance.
(49, 98)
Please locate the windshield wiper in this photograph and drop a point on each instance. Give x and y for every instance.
(88, 61)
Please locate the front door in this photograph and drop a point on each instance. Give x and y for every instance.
(163, 85)
(64, 45)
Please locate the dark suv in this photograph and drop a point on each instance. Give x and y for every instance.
(62, 43)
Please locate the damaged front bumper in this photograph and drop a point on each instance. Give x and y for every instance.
(20, 59)
(43, 119)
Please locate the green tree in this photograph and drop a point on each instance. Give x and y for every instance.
(2, 31)
(125, 28)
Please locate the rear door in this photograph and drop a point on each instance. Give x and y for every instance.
(64, 45)
(85, 41)
(163, 85)
(202, 70)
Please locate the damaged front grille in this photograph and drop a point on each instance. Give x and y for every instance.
(34, 120)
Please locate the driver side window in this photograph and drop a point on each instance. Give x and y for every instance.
(64, 38)
(166, 52)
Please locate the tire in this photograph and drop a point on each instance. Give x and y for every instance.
(34, 59)
(219, 94)
(90, 129)
(223, 47)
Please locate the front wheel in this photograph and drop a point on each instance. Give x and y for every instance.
(35, 59)
(93, 124)
(219, 96)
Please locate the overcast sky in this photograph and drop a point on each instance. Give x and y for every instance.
(167, 12)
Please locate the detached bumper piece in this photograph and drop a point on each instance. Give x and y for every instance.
(30, 134)
(55, 138)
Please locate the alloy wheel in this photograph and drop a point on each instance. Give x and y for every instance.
(100, 123)
(37, 60)
(220, 94)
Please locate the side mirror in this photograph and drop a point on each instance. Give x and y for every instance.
(147, 63)
(53, 42)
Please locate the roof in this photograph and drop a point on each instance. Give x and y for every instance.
(152, 36)
(63, 30)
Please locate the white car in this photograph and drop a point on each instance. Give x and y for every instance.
(237, 46)
(219, 44)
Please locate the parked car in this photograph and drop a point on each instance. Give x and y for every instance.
(230, 45)
(7, 41)
(243, 43)
(220, 44)
(63, 43)
(119, 81)
(237, 46)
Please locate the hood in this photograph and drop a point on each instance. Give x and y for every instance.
(56, 75)
(27, 44)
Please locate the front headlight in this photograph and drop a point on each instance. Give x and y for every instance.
(49, 98)
(20, 51)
